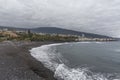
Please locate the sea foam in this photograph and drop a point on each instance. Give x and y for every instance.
(48, 56)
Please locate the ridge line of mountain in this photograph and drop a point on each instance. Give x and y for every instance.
(56, 30)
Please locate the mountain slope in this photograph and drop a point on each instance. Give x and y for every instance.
(65, 31)
(57, 31)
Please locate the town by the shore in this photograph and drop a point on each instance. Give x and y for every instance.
(28, 35)
(16, 63)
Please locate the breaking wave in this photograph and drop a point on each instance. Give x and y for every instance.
(47, 55)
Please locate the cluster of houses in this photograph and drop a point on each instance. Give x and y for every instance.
(95, 39)
(8, 33)
(5, 31)
(82, 37)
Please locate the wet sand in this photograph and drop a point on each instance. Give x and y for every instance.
(16, 63)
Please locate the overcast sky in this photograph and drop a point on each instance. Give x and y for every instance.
(95, 16)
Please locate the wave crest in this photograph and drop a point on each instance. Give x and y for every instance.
(48, 57)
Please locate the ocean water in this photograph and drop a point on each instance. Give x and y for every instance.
(81, 60)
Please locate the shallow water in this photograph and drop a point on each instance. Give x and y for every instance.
(81, 61)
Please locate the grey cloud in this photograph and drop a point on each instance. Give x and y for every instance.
(97, 16)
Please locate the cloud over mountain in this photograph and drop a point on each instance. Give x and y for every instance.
(97, 16)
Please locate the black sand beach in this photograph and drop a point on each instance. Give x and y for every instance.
(16, 63)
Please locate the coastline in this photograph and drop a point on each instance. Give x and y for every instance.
(16, 63)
